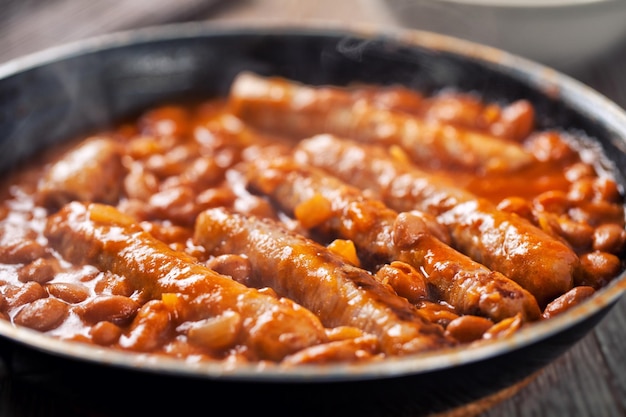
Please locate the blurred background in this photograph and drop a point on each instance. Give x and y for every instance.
(570, 35)
(583, 38)
(30, 25)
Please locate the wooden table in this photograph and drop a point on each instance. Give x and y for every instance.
(588, 380)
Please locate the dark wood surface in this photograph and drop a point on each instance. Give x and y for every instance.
(588, 380)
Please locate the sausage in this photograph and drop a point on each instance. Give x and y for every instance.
(92, 171)
(381, 233)
(499, 240)
(278, 104)
(102, 236)
(307, 272)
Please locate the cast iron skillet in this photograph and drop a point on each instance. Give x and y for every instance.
(76, 89)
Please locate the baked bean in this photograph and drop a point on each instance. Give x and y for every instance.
(597, 212)
(139, 183)
(461, 110)
(69, 292)
(597, 269)
(216, 333)
(40, 270)
(348, 350)
(176, 204)
(437, 313)
(149, 329)
(595, 189)
(20, 250)
(550, 146)
(504, 328)
(23, 294)
(168, 233)
(105, 333)
(254, 206)
(3, 304)
(235, 266)
(571, 298)
(394, 97)
(578, 235)
(141, 147)
(405, 280)
(196, 251)
(86, 273)
(43, 314)
(173, 162)
(516, 121)
(203, 173)
(520, 206)
(109, 283)
(161, 167)
(581, 190)
(166, 121)
(549, 223)
(216, 197)
(578, 171)
(606, 189)
(609, 238)
(433, 226)
(114, 308)
(552, 201)
(468, 328)
(137, 209)
(407, 228)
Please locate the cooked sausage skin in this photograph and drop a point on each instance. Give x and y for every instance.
(307, 272)
(501, 241)
(384, 235)
(102, 236)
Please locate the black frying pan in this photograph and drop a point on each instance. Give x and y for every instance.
(77, 89)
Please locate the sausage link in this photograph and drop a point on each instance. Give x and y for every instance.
(383, 234)
(499, 240)
(100, 235)
(307, 272)
(92, 171)
(288, 107)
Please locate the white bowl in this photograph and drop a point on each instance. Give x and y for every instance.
(564, 34)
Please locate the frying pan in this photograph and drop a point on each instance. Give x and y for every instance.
(76, 89)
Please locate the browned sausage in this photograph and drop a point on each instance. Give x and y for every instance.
(102, 236)
(288, 107)
(381, 233)
(92, 171)
(501, 241)
(307, 272)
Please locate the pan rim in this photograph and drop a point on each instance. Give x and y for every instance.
(533, 74)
